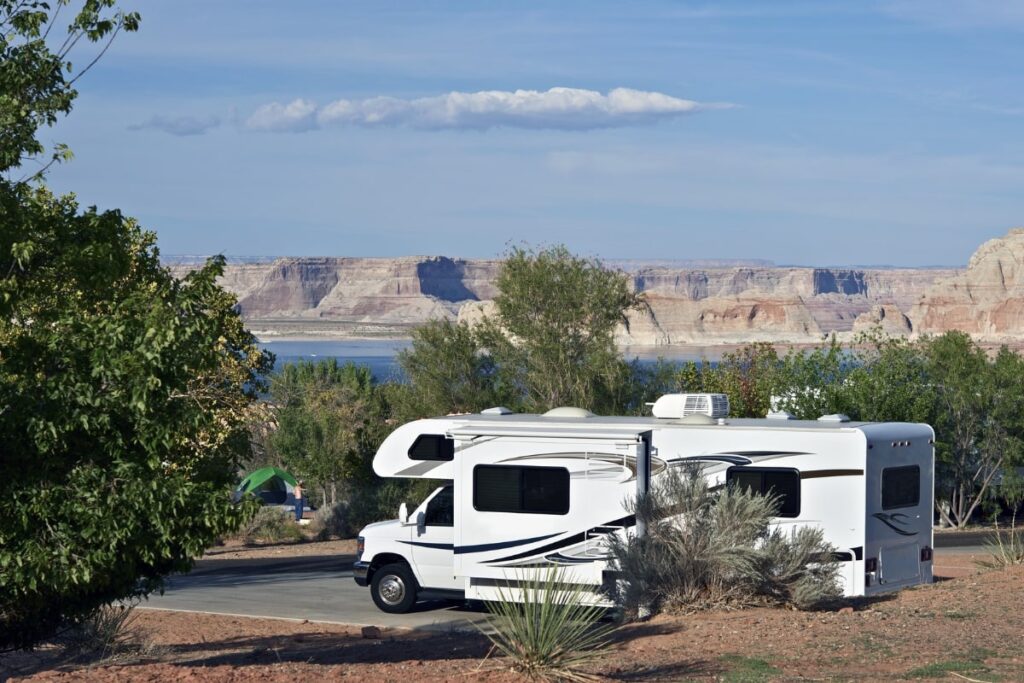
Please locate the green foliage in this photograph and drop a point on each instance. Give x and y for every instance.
(550, 343)
(125, 394)
(706, 548)
(449, 372)
(551, 633)
(555, 325)
(36, 73)
(124, 398)
(326, 415)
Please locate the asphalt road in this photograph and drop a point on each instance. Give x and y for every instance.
(318, 588)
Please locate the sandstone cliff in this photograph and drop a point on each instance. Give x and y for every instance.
(986, 300)
(341, 297)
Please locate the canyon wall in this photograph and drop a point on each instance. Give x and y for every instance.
(702, 304)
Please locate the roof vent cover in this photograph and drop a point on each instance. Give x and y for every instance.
(834, 417)
(568, 411)
(674, 406)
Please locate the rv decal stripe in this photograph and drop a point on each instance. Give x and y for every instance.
(557, 545)
(731, 459)
(419, 469)
(462, 549)
(759, 454)
(821, 474)
(570, 540)
(439, 546)
(892, 520)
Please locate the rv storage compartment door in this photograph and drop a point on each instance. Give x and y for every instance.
(899, 564)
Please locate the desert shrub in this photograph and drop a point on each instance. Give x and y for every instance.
(271, 524)
(333, 521)
(105, 634)
(552, 632)
(366, 504)
(706, 548)
(1005, 553)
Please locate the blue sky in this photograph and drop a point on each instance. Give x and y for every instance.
(815, 133)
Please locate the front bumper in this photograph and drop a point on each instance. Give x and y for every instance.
(360, 570)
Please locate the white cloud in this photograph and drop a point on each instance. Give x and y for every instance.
(557, 108)
(178, 125)
(297, 115)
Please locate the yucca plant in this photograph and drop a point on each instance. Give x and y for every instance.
(552, 632)
(1005, 553)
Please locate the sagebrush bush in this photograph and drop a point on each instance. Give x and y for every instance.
(366, 504)
(552, 631)
(271, 524)
(105, 634)
(705, 548)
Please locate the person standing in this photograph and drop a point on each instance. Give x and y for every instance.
(298, 500)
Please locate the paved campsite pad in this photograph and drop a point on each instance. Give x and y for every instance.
(970, 625)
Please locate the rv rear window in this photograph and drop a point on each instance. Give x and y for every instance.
(432, 447)
(781, 482)
(535, 490)
(901, 487)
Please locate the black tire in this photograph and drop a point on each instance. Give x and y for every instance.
(394, 588)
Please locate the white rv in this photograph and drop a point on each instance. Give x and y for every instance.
(520, 493)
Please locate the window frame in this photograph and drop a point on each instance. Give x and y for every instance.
(443, 439)
(917, 491)
(522, 469)
(426, 509)
(775, 470)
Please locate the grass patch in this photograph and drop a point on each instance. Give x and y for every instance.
(959, 614)
(747, 669)
(972, 662)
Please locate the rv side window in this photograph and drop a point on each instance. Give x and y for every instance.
(535, 490)
(432, 447)
(901, 487)
(441, 509)
(784, 483)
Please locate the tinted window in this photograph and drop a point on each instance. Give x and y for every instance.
(441, 509)
(901, 487)
(783, 483)
(432, 447)
(537, 490)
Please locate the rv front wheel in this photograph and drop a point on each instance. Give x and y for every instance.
(393, 588)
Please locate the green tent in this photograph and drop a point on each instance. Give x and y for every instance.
(272, 484)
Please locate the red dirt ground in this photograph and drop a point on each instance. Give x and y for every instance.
(971, 625)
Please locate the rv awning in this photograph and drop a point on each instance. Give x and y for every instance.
(581, 433)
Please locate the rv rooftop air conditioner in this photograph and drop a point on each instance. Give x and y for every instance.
(675, 406)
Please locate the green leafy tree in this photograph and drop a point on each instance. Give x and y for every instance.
(551, 342)
(816, 382)
(124, 401)
(449, 372)
(124, 393)
(554, 332)
(976, 419)
(322, 413)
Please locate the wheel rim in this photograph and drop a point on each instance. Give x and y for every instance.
(392, 589)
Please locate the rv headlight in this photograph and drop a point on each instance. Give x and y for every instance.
(360, 547)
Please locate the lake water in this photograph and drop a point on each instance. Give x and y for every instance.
(380, 354)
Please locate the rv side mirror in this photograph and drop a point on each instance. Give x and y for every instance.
(403, 513)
